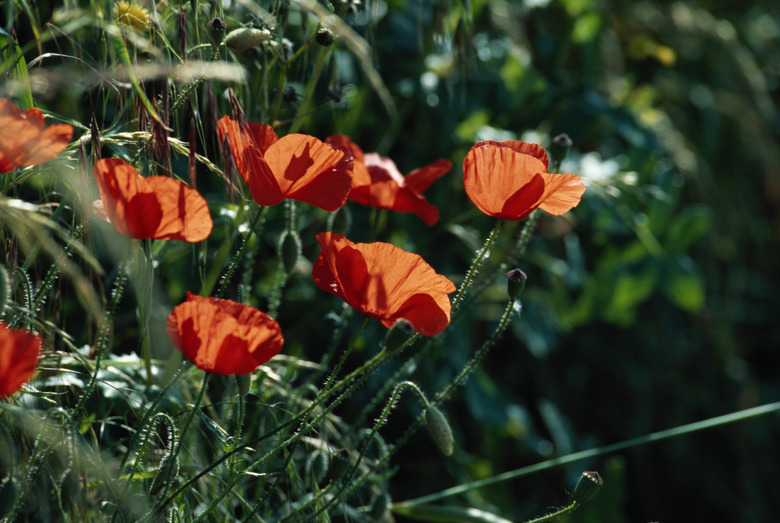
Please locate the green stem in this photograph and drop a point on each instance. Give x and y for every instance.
(240, 254)
(600, 451)
(555, 514)
(308, 93)
(477, 261)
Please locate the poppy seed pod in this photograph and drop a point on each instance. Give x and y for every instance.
(588, 485)
(439, 429)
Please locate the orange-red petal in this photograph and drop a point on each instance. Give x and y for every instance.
(509, 180)
(311, 171)
(296, 166)
(360, 174)
(19, 353)
(156, 207)
(384, 282)
(23, 139)
(223, 336)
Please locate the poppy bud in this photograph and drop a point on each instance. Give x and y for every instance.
(290, 247)
(5, 288)
(325, 37)
(217, 25)
(439, 428)
(169, 467)
(340, 221)
(515, 283)
(244, 381)
(399, 334)
(560, 146)
(290, 94)
(339, 464)
(317, 465)
(245, 38)
(587, 487)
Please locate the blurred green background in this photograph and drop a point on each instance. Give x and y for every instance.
(655, 302)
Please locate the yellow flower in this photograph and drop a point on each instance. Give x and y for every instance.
(129, 14)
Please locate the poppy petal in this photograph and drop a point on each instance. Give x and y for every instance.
(19, 354)
(422, 178)
(493, 173)
(384, 282)
(311, 171)
(360, 174)
(23, 140)
(156, 207)
(223, 336)
(562, 193)
(250, 163)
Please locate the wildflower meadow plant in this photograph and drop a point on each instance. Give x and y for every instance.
(183, 363)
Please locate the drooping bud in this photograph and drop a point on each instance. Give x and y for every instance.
(439, 429)
(325, 37)
(515, 283)
(217, 25)
(340, 462)
(169, 467)
(243, 381)
(245, 38)
(398, 334)
(290, 247)
(589, 484)
(317, 465)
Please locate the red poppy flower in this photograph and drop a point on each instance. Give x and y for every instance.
(296, 166)
(156, 207)
(223, 336)
(378, 183)
(509, 180)
(19, 352)
(24, 141)
(384, 282)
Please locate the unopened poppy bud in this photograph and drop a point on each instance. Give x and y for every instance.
(217, 25)
(515, 283)
(169, 467)
(243, 381)
(340, 462)
(317, 465)
(398, 334)
(560, 146)
(439, 428)
(325, 37)
(5, 288)
(245, 38)
(290, 94)
(290, 247)
(589, 484)
(340, 221)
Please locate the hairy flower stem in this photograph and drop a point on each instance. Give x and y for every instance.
(354, 468)
(145, 295)
(555, 514)
(476, 263)
(440, 397)
(240, 254)
(357, 377)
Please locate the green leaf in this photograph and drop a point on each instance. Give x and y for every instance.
(690, 225)
(13, 60)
